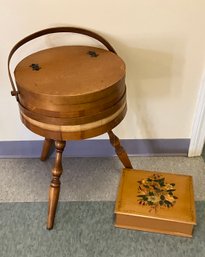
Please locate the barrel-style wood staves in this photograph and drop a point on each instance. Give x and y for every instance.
(70, 93)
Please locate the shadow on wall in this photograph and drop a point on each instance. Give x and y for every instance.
(149, 79)
(67, 38)
(154, 80)
(151, 76)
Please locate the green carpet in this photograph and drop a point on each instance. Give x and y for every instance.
(85, 229)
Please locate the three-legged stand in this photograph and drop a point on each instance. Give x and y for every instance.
(57, 170)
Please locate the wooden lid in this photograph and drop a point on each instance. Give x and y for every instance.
(69, 71)
(71, 92)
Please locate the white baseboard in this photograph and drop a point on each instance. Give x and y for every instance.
(198, 129)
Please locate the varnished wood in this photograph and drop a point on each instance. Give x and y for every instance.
(66, 106)
(46, 148)
(70, 81)
(70, 132)
(177, 219)
(60, 65)
(121, 153)
(55, 183)
(74, 118)
(70, 93)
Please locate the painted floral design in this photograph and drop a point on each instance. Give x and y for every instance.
(155, 192)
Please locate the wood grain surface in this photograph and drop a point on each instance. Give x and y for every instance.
(178, 219)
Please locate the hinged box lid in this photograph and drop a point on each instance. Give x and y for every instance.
(155, 201)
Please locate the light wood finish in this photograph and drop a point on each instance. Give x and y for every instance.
(46, 148)
(55, 183)
(114, 140)
(154, 225)
(74, 132)
(70, 93)
(178, 219)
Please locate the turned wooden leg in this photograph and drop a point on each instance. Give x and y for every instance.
(121, 153)
(46, 148)
(55, 183)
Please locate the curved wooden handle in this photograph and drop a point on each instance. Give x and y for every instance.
(40, 33)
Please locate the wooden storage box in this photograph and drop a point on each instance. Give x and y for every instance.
(155, 202)
(71, 92)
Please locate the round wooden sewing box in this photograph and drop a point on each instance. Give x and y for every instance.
(70, 93)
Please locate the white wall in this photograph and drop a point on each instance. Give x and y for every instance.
(162, 43)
